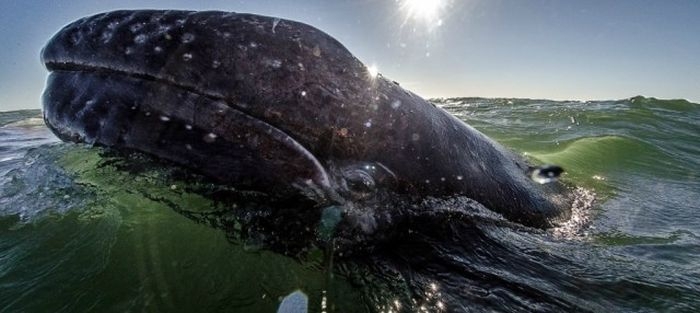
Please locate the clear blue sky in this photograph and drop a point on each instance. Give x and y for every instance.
(490, 48)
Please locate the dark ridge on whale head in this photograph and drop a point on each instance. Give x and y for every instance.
(280, 107)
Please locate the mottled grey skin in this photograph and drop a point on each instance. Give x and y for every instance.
(277, 106)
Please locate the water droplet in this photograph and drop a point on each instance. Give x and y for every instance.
(368, 124)
(187, 38)
(188, 126)
(167, 36)
(303, 93)
(209, 138)
(164, 118)
(253, 45)
(158, 49)
(460, 177)
(173, 187)
(187, 57)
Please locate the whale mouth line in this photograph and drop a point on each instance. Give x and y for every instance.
(72, 67)
(279, 134)
(54, 66)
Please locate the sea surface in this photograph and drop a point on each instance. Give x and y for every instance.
(80, 233)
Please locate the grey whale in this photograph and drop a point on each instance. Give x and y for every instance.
(280, 107)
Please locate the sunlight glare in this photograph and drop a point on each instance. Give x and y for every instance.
(373, 71)
(426, 10)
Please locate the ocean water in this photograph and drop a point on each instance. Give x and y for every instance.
(85, 229)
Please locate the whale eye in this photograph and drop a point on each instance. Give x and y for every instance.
(546, 174)
(359, 182)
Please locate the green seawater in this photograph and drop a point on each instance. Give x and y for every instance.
(82, 230)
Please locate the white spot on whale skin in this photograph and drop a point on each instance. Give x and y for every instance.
(140, 39)
(303, 93)
(210, 137)
(253, 45)
(188, 146)
(163, 28)
(415, 137)
(164, 118)
(215, 64)
(187, 37)
(187, 57)
(136, 27)
(188, 127)
(76, 37)
(274, 63)
(158, 49)
(129, 50)
(274, 24)
(106, 36)
(368, 124)
(396, 104)
(460, 177)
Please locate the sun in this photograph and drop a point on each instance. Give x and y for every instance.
(428, 11)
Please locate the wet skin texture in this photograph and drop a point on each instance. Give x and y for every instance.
(279, 107)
